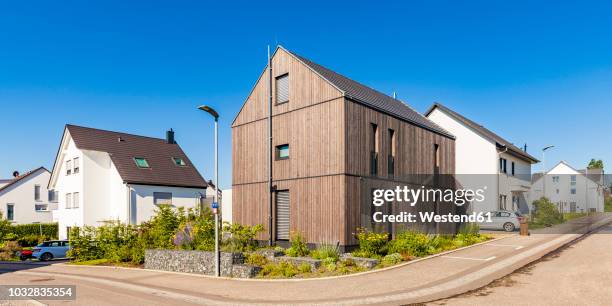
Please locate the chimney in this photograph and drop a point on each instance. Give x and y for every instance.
(525, 148)
(15, 173)
(170, 137)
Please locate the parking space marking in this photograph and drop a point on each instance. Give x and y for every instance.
(516, 247)
(470, 258)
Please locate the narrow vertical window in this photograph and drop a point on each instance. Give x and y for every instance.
(10, 212)
(282, 89)
(68, 200)
(75, 165)
(75, 200)
(391, 158)
(68, 167)
(512, 168)
(374, 149)
(36, 192)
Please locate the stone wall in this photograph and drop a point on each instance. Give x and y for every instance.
(199, 262)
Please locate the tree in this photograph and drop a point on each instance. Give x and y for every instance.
(595, 164)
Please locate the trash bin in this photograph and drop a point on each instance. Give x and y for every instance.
(524, 229)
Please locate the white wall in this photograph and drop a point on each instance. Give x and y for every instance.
(476, 159)
(69, 184)
(226, 206)
(21, 195)
(143, 195)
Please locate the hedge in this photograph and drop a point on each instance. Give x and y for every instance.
(48, 230)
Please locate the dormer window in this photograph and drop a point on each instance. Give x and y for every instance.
(141, 162)
(179, 161)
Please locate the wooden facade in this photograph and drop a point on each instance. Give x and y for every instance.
(328, 172)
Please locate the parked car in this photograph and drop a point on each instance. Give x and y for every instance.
(49, 250)
(502, 220)
(25, 254)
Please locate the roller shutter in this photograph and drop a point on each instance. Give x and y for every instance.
(283, 213)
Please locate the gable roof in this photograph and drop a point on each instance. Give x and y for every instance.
(123, 148)
(576, 172)
(512, 149)
(20, 178)
(369, 97)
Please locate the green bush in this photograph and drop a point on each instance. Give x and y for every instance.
(32, 240)
(256, 259)
(371, 245)
(391, 259)
(48, 230)
(546, 213)
(279, 270)
(410, 243)
(298, 246)
(241, 237)
(304, 268)
(326, 251)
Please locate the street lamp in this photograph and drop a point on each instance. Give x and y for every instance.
(39, 227)
(215, 207)
(544, 168)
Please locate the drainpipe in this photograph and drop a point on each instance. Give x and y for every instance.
(271, 240)
(498, 160)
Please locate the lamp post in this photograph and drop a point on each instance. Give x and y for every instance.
(544, 167)
(39, 227)
(215, 207)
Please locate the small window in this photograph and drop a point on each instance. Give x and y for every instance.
(141, 162)
(503, 165)
(36, 192)
(10, 212)
(573, 191)
(179, 161)
(41, 207)
(282, 152)
(282, 89)
(75, 200)
(512, 168)
(52, 196)
(68, 200)
(68, 167)
(75, 165)
(162, 198)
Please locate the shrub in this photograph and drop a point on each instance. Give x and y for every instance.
(546, 213)
(32, 240)
(304, 268)
(410, 243)
(256, 259)
(9, 250)
(298, 246)
(371, 245)
(326, 251)
(49, 230)
(391, 259)
(277, 270)
(242, 237)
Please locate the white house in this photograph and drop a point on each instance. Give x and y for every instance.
(485, 160)
(25, 198)
(105, 176)
(569, 189)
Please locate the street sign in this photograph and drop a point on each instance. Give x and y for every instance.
(215, 205)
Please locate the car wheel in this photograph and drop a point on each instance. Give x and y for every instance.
(46, 257)
(23, 258)
(509, 227)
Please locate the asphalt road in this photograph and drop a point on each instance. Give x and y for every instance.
(580, 274)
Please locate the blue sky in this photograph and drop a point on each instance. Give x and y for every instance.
(536, 73)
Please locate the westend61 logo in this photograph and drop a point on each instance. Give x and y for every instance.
(412, 197)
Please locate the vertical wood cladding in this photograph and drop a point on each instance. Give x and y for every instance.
(328, 169)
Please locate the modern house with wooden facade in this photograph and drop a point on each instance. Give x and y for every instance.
(334, 142)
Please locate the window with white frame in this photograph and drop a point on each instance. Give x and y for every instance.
(75, 165)
(68, 200)
(573, 180)
(41, 207)
(36, 192)
(52, 196)
(68, 167)
(10, 212)
(75, 200)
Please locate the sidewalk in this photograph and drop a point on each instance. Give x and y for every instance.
(426, 280)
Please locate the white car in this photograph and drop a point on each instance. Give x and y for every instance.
(502, 220)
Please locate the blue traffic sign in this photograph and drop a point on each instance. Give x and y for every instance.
(215, 205)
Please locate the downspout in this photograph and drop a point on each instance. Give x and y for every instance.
(271, 241)
(498, 160)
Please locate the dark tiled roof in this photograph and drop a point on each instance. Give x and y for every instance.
(162, 171)
(14, 181)
(373, 98)
(481, 129)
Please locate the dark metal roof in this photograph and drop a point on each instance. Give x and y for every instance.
(512, 149)
(373, 98)
(14, 181)
(123, 148)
